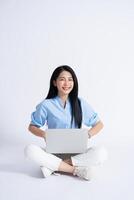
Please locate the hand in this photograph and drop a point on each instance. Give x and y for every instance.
(89, 135)
(44, 134)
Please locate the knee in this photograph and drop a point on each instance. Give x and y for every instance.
(30, 149)
(101, 153)
(98, 154)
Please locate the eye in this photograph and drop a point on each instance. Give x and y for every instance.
(61, 79)
(70, 79)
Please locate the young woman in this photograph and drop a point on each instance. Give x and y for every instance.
(62, 108)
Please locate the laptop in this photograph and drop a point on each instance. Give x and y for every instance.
(66, 141)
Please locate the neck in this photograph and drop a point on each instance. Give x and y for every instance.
(63, 98)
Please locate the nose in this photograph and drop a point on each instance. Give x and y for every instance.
(66, 82)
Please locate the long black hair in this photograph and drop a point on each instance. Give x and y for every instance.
(73, 95)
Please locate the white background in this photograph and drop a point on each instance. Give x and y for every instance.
(95, 38)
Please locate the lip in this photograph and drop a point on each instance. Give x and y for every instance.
(66, 88)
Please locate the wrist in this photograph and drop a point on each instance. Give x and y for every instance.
(89, 135)
(43, 134)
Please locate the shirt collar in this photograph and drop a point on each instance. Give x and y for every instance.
(61, 102)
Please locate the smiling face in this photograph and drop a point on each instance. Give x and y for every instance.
(64, 83)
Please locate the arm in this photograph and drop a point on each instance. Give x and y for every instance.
(36, 131)
(95, 129)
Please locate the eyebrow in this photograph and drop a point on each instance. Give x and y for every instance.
(65, 77)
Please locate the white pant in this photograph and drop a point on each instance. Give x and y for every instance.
(92, 157)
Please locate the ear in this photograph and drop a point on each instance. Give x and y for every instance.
(54, 83)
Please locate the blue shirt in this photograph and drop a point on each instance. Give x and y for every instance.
(52, 113)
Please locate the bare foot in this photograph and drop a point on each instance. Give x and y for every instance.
(68, 161)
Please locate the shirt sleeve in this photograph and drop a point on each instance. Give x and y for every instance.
(39, 116)
(89, 116)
